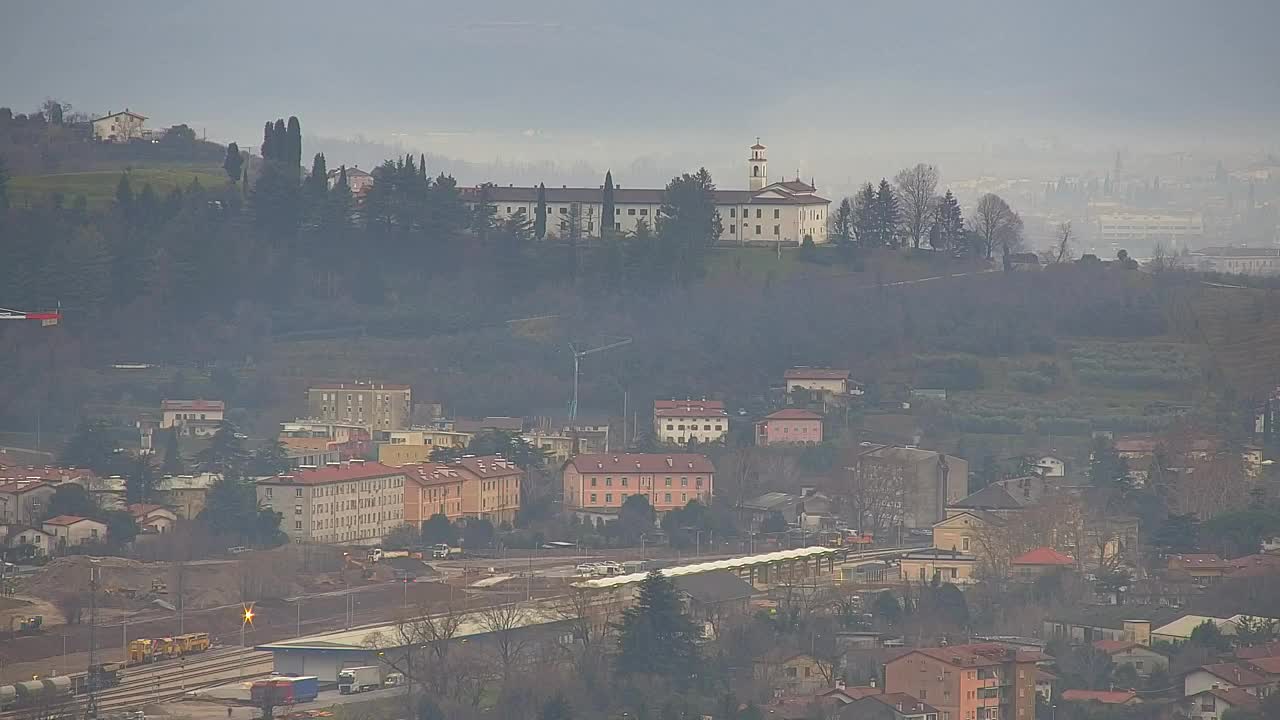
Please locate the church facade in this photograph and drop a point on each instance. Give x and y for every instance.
(767, 212)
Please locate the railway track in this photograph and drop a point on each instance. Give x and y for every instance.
(161, 682)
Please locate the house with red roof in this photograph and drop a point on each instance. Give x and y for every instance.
(599, 483)
(153, 519)
(1104, 697)
(967, 681)
(1213, 703)
(1227, 676)
(1143, 659)
(682, 421)
(789, 426)
(69, 530)
(192, 418)
(830, 381)
(23, 499)
(1040, 561)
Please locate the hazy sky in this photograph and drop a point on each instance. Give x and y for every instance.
(825, 83)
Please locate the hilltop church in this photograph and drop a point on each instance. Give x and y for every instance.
(782, 211)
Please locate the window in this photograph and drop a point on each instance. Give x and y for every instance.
(758, 211)
(733, 212)
(268, 492)
(670, 426)
(732, 228)
(757, 229)
(593, 498)
(608, 482)
(608, 497)
(564, 211)
(706, 427)
(776, 229)
(297, 492)
(617, 211)
(668, 497)
(624, 482)
(644, 211)
(593, 482)
(777, 214)
(617, 226)
(591, 226)
(631, 211)
(668, 482)
(297, 524)
(297, 509)
(508, 208)
(684, 482)
(964, 544)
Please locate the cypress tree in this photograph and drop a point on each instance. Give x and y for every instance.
(294, 143)
(655, 637)
(319, 179)
(422, 170)
(268, 141)
(887, 214)
(606, 222)
(279, 141)
(540, 213)
(232, 162)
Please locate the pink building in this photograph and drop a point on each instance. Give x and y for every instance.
(601, 482)
(790, 426)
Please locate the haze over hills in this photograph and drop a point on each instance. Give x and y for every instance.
(829, 85)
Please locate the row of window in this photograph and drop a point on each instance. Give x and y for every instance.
(608, 498)
(644, 482)
(719, 427)
(777, 230)
(352, 520)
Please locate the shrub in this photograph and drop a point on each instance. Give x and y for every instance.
(952, 372)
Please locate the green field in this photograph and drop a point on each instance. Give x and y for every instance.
(99, 187)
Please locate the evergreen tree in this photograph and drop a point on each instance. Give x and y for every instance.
(269, 145)
(173, 463)
(688, 224)
(887, 215)
(842, 229)
(233, 163)
(280, 142)
(607, 221)
(269, 459)
(142, 483)
(1106, 467)
(92, 446)
(225, 453)
(438, 529)
(540, 213)
(864, 217)
(950, 223)
(318, 180)
(655, 637)
(294, 144)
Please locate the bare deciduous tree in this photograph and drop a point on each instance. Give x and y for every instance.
(995, 223)
(503, 623)
(875, 495)
(916, 188)
(1063, 250)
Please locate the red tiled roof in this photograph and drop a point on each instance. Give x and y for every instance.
(1268, 665)
(144, 509)
(694, 409)
(1112, 647)
(815, 374)
(793, 414)
(854, 692)
(432, 473)
(17, 487)
(1235, 697)
(358, 386)
(1135, 445)
(904, 703)
(217, 405)
(489, 466)
(338, 472)
(1271, 649)
(972, 655)
(676, 404)
(1043, 556)
(653, 463)
(1107, 697)
(64, 520)
(1234, 673)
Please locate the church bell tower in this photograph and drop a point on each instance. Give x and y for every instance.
(758, 167)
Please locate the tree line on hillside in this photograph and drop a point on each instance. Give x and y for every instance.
(909, 213)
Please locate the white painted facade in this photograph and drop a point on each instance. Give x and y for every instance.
(119, 127)
(781, 211)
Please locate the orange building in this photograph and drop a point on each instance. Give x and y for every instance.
(982, 681)
(481, 487)
(601, 482)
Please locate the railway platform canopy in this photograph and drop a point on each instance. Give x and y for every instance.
(760, 570)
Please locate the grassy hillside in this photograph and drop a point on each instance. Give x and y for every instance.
(1241, 329)
(99, 187)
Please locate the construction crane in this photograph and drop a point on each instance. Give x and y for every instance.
(46, 318)
(578, 355)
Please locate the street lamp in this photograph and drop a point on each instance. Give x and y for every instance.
(245, 619)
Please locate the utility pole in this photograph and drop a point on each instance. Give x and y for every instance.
(95, 574)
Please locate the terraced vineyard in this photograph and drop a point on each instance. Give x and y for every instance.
(1240, 328)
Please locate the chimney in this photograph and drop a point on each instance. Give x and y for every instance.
(669, 463)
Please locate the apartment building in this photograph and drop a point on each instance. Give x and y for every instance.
(402, 447)
(681, 421)
(825, 380)
(980, 681)
(789, 426)
(23, 502)
(471, 487)
(1175, 230)
(926, 481)
(343, 502)
(767, 212)
(599, 483)
(380, 407)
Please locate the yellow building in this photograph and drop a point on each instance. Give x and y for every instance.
(922, 566)
(415, 446)
(962, 531)
(793, 673)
